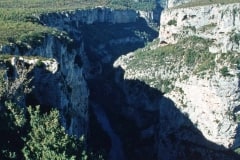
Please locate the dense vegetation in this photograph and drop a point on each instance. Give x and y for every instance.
(207, 2)
(17, 22)
(37, 135)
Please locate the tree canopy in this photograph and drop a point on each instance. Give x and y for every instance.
(38, 136)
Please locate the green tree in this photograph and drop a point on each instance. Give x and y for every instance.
(37, 136)
(47, 139)
(12, 128)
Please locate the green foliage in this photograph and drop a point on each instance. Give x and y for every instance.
(237, 150)
(224, 71)
(193, 28)
(193, 3)
(24, 32)
(190, 56)
(2, 85)
(47, 138)
(17, 23)
(235, 38)
(207, 62)
(44, 137)
(12, 124)
(40, 63)
(146, 5)
(166, 85)
(17, 115)
(172, 22)
(208, 27)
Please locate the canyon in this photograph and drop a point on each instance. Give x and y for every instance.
(134, 107)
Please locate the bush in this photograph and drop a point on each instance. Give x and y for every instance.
(47, 138)
(224, 71)
(37, 136)
(172, 22)
(235, 38)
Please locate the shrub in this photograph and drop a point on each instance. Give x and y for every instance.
(40, 64)
(235, 38)
(172, 22)
(207, 27)
(224, 71)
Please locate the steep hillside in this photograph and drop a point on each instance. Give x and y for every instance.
(195, 63)
(57, 66)
(133, 93)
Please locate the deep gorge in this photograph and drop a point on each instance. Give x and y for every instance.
(89, 92)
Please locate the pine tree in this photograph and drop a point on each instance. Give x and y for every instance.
(47, 139)
(39, 136)
(12, 128)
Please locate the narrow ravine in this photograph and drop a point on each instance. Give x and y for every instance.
(116, 152)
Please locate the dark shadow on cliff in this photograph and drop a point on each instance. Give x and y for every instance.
(235, 114)
(235, 145)
(106, 42)
(149, 124)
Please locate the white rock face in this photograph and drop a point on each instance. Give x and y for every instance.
(219, 23)
(210, 102)
(89, 16)
(50, 64)
(61, 84)
(210, 105)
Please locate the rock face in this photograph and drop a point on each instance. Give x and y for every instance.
(205, 96)
(210, 105)
(77, 69)
(211, 101)
(195, 113)
(214, 100)
(79, 54)
(60, 84)
(202, 21)
(89, 16)
(64, 87)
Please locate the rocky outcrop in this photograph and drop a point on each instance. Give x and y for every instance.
(88, 16)
(210, 104)
(211, 101)
(200, 89)
(202, 21)
(152, 17)
(209, 98)
(194, 109)
(59, 83)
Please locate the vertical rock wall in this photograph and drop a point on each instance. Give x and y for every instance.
(218, 23)
(65, 88)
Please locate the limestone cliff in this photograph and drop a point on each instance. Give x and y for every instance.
(216, 98)
(88, 16)
(197, 76)
(64, 88)
(219, 23)
(154, 107)
(85, 43)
